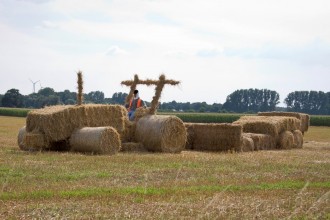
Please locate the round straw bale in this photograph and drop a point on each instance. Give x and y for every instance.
(161, 133)
(102, 140)
(20, 138)
(298, 139)
(247, 144)
(286, 140)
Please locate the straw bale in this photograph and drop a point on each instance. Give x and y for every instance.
(271, 125)
(20, 138)
(286, 140)
(80, 82)
(36, 141)
(132, 147)
(58, 122)
(140, 112)
(129, 133)
(261, 141)
(298, 139)
(190, 135)
(161, 133)
(216, 136)
(247, 144)
(304, 118)
(101, 140)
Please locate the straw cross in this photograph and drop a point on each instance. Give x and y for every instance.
(158, 90)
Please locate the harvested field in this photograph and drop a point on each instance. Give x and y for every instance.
(273, 184)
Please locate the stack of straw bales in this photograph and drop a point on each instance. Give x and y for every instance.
(304, 118)
(277, 127)
(261, 141)
(100, 140)
(214, 136)
(161, 133)
(57, 123)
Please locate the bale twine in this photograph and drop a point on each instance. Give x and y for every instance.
(298, 139)
(261, 141)
(132, 147)
(190, 135)
(161, 133)
(216, 136)
(101, 140)
(286, 140)
(247, 144)
(304, 118)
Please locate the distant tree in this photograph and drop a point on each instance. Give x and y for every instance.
(67, 97)
(1, 96)
(118, 98)
(310, 102)
(96, 97)
(46, 91)
(13, 98)
(251, 100)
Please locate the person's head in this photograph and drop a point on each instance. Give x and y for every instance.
(136, 93)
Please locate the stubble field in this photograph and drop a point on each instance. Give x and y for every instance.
(278, 184)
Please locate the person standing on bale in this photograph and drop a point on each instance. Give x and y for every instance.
(135, 103)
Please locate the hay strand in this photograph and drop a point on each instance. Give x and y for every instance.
(100, 140)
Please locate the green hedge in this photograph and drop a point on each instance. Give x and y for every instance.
(17, 112)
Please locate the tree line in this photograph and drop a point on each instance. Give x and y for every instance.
(240, 101)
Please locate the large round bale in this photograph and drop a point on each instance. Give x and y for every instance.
(20, 138)
(161, 133)
(286, 140)
(100, 140)
(298, 139)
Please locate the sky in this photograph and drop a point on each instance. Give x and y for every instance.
(213, 47)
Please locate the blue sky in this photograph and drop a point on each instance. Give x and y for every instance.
(213, 47)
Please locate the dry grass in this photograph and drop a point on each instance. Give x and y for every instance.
(277, 184)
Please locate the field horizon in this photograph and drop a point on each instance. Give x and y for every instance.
(274, 184)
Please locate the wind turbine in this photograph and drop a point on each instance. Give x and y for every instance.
(34, 85)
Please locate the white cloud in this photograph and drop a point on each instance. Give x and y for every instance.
(115, 50)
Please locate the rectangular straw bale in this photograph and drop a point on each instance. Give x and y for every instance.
(271, 125)
(304, 118)
(35, 141)
(261, 141)
(58, 122)
(216, 136)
